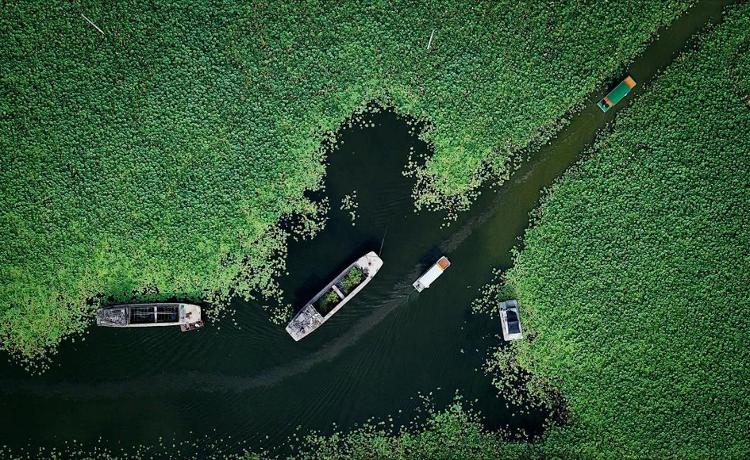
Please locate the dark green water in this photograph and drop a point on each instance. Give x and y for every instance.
(372, 360)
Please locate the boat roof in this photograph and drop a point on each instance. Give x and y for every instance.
(443, 262)
(621, 90)
(511, 323)
(514, 326)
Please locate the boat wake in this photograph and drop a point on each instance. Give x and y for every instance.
(196, 381)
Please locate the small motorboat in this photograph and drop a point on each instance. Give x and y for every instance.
(424, 281)
(617, 94)
(511, 322)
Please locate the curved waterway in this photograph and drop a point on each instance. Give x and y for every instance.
(249, 381)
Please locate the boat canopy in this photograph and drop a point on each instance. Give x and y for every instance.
(617, 94)
(510, 321)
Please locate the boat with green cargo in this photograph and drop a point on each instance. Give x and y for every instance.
(334, 296)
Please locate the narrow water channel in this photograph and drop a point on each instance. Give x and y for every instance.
(373, 359)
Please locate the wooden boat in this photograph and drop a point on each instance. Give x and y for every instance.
(185, 315)
(511, 322)
(424, 281)
(335, 295)
(617, 94)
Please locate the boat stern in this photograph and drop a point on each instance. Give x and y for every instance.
(113, 317)
(307, 320)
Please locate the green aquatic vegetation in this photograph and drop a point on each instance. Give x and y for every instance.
(199, 446)
(634, 280)
(523, 68)
(153, 159)
(454, 432)
(350, 205)
(352, 279)
(633, 283)
(327, 301)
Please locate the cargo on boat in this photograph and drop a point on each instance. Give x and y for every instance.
(185, 315)
(335, 295)
(424, 281)
(511, 322)
(617, 94)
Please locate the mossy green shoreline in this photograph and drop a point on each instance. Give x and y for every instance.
(153, 160)
(634, 281)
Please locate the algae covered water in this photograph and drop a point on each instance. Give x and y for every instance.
(245, 379)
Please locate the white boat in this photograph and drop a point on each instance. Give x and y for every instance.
(424, 281)
(185, 315)
(335, 295)
(511, 322)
